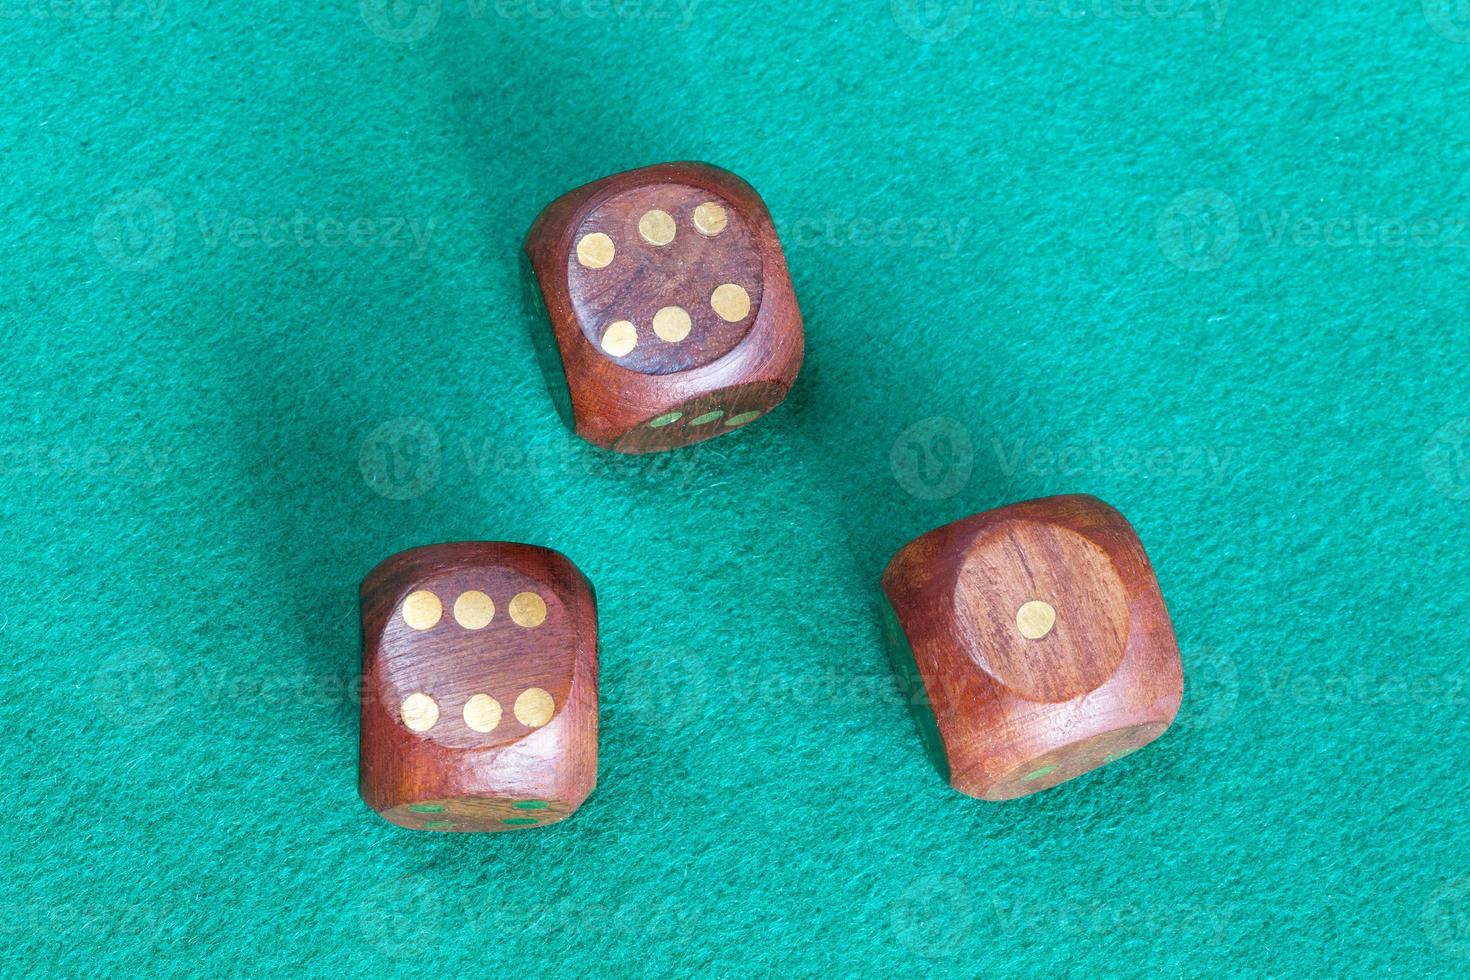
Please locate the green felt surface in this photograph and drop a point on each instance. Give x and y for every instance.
(1209, 264)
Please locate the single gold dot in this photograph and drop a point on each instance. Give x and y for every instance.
(664, 420)
(657, 227)
(419, 712)
(672, 323)
(533, 707)
(1035, 619)
(473, 610)
(482, 713)
(710, 219)
(708, 417)
(528, 609)
(620, 338)
(422, 610)
(596, 251)
(741, 419)
(731, 302)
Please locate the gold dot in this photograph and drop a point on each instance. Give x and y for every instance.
(533, 707)
(742, 418)
(620, 338)
(422, 610)
(473, 610)
(708, 417)
(1035, 619)
(731, 302)
(672, 323)
(710, 219)
(528, 609)
(419, 712)
(657, 227)
(482, 713)
(596, 251)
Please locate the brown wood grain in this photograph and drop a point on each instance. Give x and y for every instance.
(452, 777)
(1018, 715)
(734, 368)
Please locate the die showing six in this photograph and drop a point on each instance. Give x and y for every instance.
(1033, 644)
(670, 309)
(479, 701)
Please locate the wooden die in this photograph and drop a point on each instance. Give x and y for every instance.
(479, 671)
(671, 312)
(1034, 644)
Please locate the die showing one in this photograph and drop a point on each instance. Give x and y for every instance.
(1032, 643)
(479, 671)
(671, 313)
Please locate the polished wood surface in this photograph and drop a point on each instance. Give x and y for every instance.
(479, 674)
(667, 297)
(1035, 644)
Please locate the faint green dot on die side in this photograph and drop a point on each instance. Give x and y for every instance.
(428, 808)
(708, 417)
(531, 805)
(438, 825)
(1043, 771)
(664, 420)
(520, 821)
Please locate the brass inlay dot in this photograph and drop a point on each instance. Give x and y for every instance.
(731, 302)
(657, 227)
(672, 323)
(596, 251)
(710, 219)
(529, 610)
(708, 417)
(482, 713)
(1035, 619)
(741, 419)
(473, 610)
(422, 609)
(419, 712)
(534, 707)
(620, 339)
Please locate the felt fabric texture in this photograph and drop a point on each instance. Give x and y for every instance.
(262, 328)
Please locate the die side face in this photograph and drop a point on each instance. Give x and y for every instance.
(701, 418)
(1038, 620)
(472, 660)
(664, 278)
